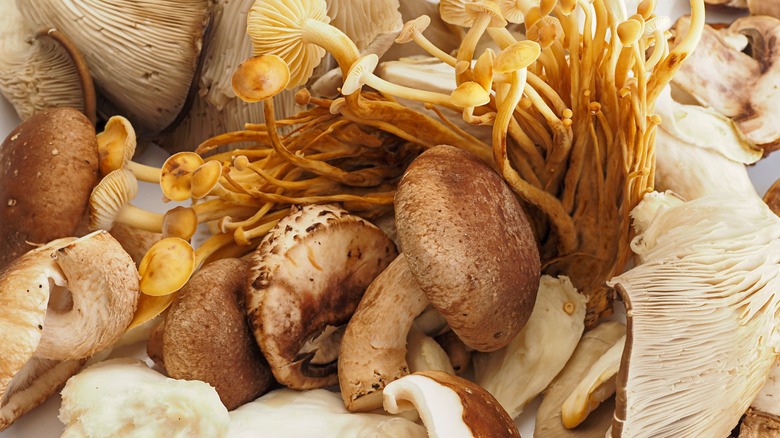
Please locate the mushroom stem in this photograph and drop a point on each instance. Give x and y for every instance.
(80, 63)
(330, 38)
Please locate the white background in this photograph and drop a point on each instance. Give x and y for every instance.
(42, 422)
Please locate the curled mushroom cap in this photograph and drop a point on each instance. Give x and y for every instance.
(160, 44)
(48, 166)
(305, 281)
(469, 245)
(449, 406)
(706, 287)
(206, 336)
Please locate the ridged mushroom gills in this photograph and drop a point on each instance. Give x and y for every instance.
(59, 304)
(701, 315)
(305, 281)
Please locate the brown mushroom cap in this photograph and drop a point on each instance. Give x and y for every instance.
(469, 244)
(206, 336)
(772, 197)
(48, 166)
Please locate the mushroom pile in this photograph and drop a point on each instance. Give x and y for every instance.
(413, 247)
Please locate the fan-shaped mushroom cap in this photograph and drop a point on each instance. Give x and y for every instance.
(514, 10)
(306, 279)
(34, 74)
(48, 166)
(706, 286)
(206, 336)
(159, 43)
(449, 406)
(464, 12)
(469, 245)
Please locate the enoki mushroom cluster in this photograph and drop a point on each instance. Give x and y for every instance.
(570, 105)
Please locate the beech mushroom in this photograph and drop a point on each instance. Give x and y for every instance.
(467, 249)
(206, 336)
(160, 44)
(121, 395)
(592, 346)
(314, 412)
(744, 87)
(305, 281)
(37, 205)
(701, 315)
(449, 406)
(61, 303)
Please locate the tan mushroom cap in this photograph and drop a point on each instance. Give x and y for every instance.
(469, 244)
(116, 144)
(772, 197)
(306, 279)
(142, 56)
(206, 336)
(260, 77)
(464, 12)
(449, 406)
(108, 197)
(176, 175)
(48, 166)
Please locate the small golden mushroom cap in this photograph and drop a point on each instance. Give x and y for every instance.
(470, 94)
(116, 144)
(166, 267)
(205, 178)
(180, 222)
(411, 27)
(517, 56)
(260, 77)
(109, 196)
(514, 10)
(354, 79)
(630, 31)
(176, 175)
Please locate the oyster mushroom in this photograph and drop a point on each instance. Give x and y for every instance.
(283, 411)
(206, 337)
(159, 43)
(740, 86)
(305, 281)
(37, 205)
(449, 406)
(701, 314)
(60, 303)
(455, 218)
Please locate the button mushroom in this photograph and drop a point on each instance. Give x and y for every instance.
(449, 406)
(206, 336)
(37, 157)
(305, 281)
(468, 249)
(701, 312)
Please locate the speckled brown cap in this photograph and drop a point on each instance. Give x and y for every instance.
(469, 244)
(48, 166)
(206, 336)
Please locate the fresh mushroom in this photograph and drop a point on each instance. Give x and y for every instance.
(700, 304)
(206, 337)
(159, 43)
(305, 281)
(740, 86)
(119, 396)
(48, 166)
(763, 417)
(316, 412)
(467, 249)
(772, 197)
(449, 406)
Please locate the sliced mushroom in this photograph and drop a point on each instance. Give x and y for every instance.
(701, 312)
(592, 346)
(206, 336)
(520, 371)
(740, 86)
(116, 396)
(48, 166)
(316, 412)
(306, 279)
(449, 406)
(159, 45)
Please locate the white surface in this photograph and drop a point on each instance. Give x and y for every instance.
(42, 422)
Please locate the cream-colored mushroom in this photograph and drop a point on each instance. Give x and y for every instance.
(520, 371)
(701, 306)
(159, 43)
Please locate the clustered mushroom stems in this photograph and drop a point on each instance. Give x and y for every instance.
(573, 132)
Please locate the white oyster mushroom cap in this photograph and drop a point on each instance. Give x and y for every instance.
(316, 412)
(121, 395)
(520, 371)
(34, 73)
(701, 310)
(142, 56)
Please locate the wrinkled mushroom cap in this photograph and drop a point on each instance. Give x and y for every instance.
(48, 166)
(469, 244)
